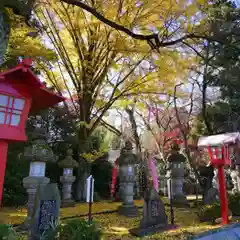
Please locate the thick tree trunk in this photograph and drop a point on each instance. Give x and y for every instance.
(83, 170)
(81, 191)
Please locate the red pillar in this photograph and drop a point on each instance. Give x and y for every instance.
(3, 159)
(223, 195)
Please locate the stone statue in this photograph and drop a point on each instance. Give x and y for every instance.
(19, 7)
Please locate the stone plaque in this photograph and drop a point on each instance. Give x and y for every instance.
(46, 210)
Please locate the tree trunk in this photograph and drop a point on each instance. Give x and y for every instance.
(83, 168)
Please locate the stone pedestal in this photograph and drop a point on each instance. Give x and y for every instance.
(67, 181)
(31, 183)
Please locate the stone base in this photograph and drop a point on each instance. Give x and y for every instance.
(128, 210)
(68, 203)
(141, 232)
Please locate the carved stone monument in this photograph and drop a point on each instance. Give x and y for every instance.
(38, 153)
(126, 162)
(67, 179)
(154, 215)
(46, 211)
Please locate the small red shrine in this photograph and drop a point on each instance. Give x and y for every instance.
(218, 147)
(21, 92)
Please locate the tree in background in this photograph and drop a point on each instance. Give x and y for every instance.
(96, 68)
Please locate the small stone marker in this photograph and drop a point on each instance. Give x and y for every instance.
(46, 212)
(154, 215)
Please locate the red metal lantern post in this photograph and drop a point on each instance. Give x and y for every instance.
(219, 156)
(20, 92)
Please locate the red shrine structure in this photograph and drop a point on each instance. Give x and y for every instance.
(219, 148)
(21, 93)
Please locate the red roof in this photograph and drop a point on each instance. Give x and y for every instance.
(42, 98)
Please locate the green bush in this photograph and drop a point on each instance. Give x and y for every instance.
(8, 233)
(234, 203)
(14, 194)
(96, 197)
(5, 230)
(102, 173)
(209, 213)
(76, 229)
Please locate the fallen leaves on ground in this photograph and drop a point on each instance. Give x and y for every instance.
(117, 227)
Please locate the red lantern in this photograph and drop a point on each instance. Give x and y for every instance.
(20, 92)
(219, 155)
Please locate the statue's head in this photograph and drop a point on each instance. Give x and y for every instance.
(20, 7)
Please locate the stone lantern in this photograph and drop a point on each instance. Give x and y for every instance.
(38, 153)
(175, 173)
(67, 179)
(127, 162)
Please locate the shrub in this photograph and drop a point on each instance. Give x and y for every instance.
(76, 229)
(8, 233)
(5, 230)
(14, 194)
(209, 213)
(96, 197)
(102, 173)
(234, 203)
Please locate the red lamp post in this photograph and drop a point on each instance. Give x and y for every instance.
(218, 151)
(20, 92)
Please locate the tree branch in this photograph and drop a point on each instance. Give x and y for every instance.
(110, 127)
(152, 39)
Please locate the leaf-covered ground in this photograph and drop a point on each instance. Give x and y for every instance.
(117, 227)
